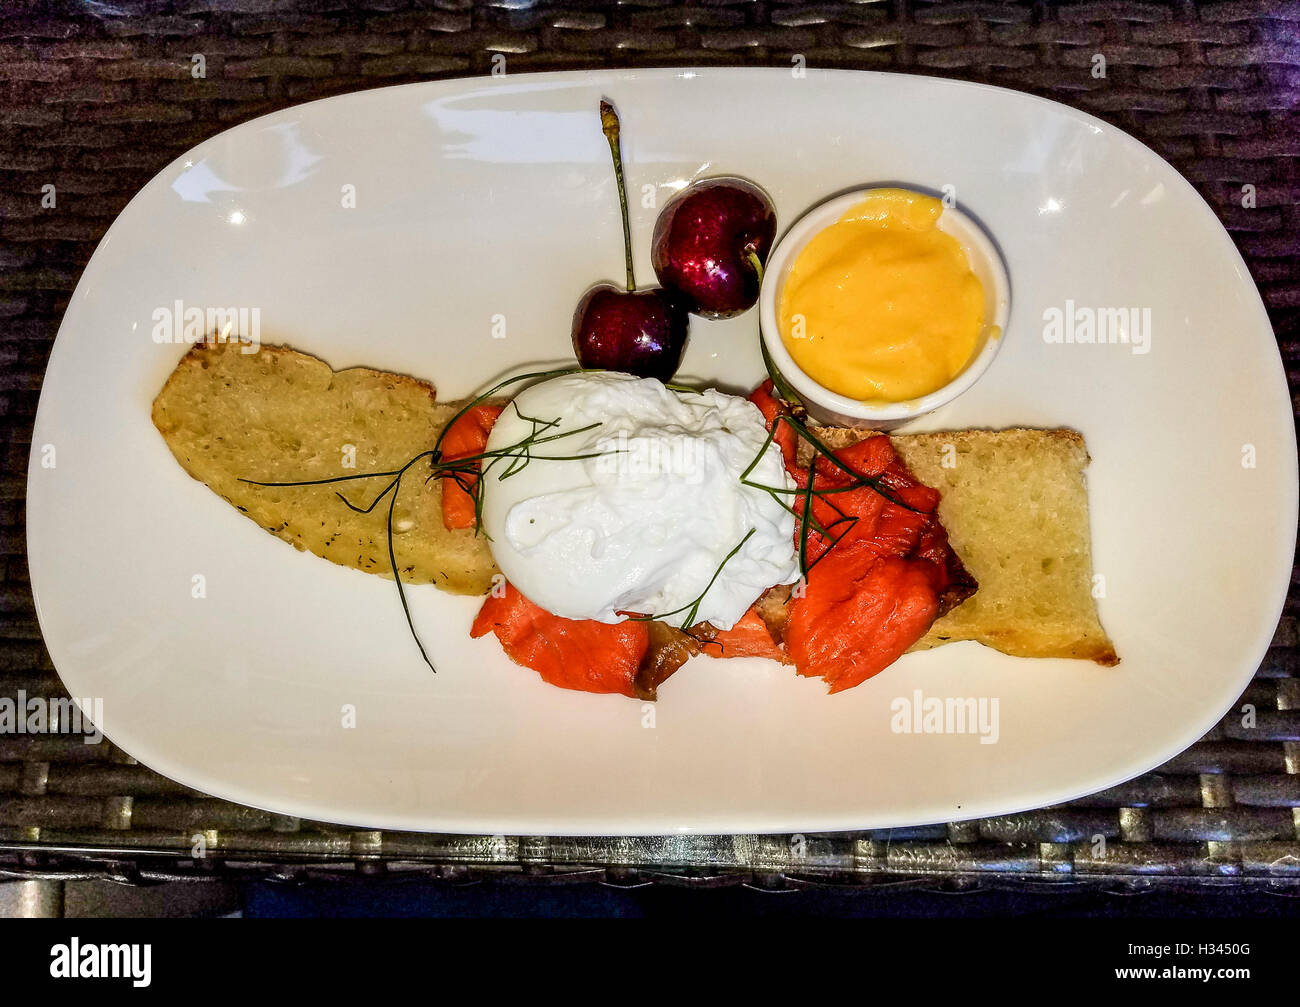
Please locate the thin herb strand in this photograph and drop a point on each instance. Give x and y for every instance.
(397, 576)
(694, 606)
(373, 503)
(803, 524)
(337, 479)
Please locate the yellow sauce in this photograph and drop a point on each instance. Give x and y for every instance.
(882, 305)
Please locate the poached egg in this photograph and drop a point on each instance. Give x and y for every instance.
(634, 502)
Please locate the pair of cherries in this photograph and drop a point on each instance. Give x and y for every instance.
(709, 247)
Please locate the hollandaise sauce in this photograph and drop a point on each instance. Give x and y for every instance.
(882, 305)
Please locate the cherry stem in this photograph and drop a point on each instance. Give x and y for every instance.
(609, 126)
(756, 262)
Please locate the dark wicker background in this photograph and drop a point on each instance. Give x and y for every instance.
(97, 97)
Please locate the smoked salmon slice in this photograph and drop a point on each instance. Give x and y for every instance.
(880, 567)
(631, 658)
(571, 653)
(466, 437)
(857, 618)
(749, 637)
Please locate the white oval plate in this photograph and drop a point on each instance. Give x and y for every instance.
(479, 198)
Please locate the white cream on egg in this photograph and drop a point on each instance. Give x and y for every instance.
(646, 523)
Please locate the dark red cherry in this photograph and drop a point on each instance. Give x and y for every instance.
(642, 332)
(711, 242)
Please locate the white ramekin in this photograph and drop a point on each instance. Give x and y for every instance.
(830, 407)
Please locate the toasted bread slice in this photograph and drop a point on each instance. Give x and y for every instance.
(277, 415)
(1016, 509)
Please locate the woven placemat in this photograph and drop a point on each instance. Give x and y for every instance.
(95, 98)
